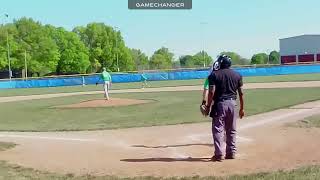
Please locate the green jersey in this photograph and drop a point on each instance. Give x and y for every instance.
(143, 77)
(206, 84)
(105, 76)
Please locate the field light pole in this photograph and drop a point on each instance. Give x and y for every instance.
(204, 60)
(25, 64)
(116, 28)
(8, 51)
(268, 51)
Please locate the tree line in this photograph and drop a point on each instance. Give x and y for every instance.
(86, 49)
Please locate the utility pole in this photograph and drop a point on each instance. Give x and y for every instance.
(203, 38)
(204, 59)
(268, 51)
(8, 52)
(116, 28)
(25, 64)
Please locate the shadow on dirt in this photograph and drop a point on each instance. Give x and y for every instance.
(188, 159)
(170, 146)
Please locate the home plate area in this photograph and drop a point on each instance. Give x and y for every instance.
(184, 149)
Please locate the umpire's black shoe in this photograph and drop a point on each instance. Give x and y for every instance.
(230, 156)
(216, 158)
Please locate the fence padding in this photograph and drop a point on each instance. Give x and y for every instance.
(156, 76)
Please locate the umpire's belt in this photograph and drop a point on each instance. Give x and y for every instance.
(226, 99)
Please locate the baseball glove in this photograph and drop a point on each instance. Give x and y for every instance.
(204, 110)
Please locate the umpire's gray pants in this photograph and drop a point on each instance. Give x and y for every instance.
(224, 121)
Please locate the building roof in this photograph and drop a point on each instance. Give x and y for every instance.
(304, 35)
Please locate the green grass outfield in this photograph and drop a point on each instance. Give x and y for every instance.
(14, 172)
(167, 108)
(30, 91)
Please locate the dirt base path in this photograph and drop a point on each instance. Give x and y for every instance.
(163, 89)
(180, 150)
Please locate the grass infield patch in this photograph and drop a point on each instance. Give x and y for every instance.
(167, 108)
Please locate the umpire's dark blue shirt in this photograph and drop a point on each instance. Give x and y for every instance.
(226, 82)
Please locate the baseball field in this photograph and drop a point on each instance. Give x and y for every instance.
(158, 132)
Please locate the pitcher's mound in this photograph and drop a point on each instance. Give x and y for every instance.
(114, 102)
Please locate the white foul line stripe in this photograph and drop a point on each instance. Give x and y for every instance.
(197, 137)
(269, 120)
(47, 138)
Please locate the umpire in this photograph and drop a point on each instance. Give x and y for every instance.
(224, 85)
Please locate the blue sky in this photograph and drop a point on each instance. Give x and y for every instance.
(243, 26)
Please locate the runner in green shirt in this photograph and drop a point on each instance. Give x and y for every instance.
(144, 80)
(205, 91)
(206, 85)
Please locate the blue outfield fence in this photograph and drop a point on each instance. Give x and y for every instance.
(155, 76)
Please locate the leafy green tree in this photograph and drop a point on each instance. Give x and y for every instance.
(161, 59)
(186, 61)
(261, 58)
(244, 61)
(176, 64)
(12, 31)
(106, 47)
(140, 59)
(126, 61)
(198, 60)
(157, 61)
(274, 57)
(42, 49)
(55, 50)
(96, 38)
(74, 56)
(3, 58)
(202, 58)
(236, 58)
